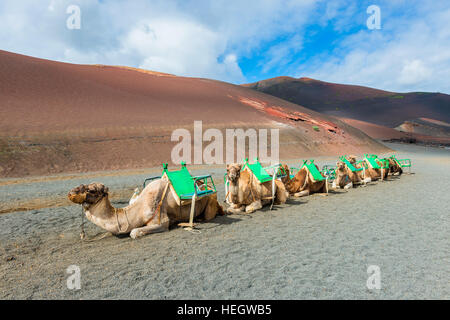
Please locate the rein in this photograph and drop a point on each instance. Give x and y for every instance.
(83, 233)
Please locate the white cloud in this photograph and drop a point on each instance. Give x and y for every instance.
(210, 38)
(407, 54)
(414, 72)
(184, 37)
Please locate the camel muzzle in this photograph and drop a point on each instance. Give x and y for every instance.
(77, 198)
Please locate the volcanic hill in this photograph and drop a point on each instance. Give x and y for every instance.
(58, 117)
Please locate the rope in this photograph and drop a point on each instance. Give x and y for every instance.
(250, 184)
(117, 218)
(83, 233)
(158, 208)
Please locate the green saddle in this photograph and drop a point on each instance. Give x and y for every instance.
(185, 185)
(257, 169)
(313, 169)
(329, 171)
(349, 164)
(404, 163)
(374, 161)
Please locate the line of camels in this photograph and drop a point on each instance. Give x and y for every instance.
(157, 207)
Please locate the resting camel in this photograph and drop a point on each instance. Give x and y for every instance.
(375, 174)
(153, 211)
(247, 194)
(343, 179)
(303, 184)
(356, 178)
(394, 167)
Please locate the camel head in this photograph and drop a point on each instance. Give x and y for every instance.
(341, 173)
(286, 169)
(393, 167)
(351, 159)
(288, 173)
(234, 172)
(88, 194)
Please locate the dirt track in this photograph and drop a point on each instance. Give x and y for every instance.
(313, 248)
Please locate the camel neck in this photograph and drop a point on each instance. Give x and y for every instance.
(103, 209)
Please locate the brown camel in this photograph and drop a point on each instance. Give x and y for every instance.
(394, 167)
(303, 183)
(375, 174)
(154, 210)
(358, 177)
(344, 176)
(247, 194)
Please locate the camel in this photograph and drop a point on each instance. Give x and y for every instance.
(303, 184)
(394, 168)
(343, 179)
(375, 174)
(247, 194)
(356, 177)
(153, 211)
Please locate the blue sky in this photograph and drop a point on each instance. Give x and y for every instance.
(244, 41)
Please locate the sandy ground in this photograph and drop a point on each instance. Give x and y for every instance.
(314, 248)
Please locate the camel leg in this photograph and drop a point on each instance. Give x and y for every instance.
(348, 186)
(140, 232)
(281, 194)
(301, 194)
(253, 207)
(212, 209)
(235, 209)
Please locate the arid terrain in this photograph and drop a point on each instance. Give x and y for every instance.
(318, 247)
(64, 118)
(371, 110)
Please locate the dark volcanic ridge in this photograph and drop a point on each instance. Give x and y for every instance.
(380, 107)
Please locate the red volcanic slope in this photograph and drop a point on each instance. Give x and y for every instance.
(59, 117)
(356, 102)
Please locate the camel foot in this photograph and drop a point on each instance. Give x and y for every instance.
(140, 232)
(234, 210)
(253, 207)
(348, 186)
(301, 194)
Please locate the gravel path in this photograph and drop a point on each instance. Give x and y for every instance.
(313, 248)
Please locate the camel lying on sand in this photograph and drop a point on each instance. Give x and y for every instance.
(394, 168)
(247, 194)
(303, 183)
(343, 179)
(373, 173)
(344, 173)
(154, 210)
